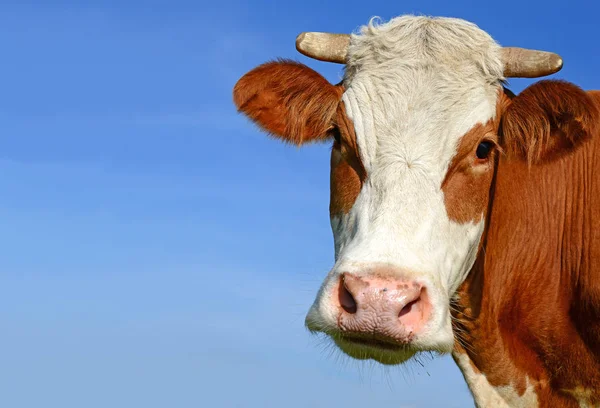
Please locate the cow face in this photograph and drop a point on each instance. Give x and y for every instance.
(411, 172)
(415, 128)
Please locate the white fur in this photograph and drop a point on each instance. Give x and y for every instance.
(486, 395)
(414, 87)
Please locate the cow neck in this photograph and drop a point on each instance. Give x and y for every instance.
(530, 303)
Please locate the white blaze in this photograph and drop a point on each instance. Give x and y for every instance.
(414, 87)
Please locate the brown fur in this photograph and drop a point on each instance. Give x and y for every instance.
(288, 100)
(531, 305)
(548, 119)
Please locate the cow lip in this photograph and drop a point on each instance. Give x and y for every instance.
(372, 343)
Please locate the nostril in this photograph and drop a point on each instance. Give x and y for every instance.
(416, 312)
(409, 306)
(346, 299)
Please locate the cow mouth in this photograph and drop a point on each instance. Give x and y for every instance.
(372, 348)
(372, 342)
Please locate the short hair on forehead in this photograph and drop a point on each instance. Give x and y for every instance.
(449, 43)
(415, 85)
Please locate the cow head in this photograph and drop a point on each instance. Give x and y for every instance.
(417, 125)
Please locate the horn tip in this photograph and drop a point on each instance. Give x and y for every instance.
(557, 62)
(303, 43)
(299, 40)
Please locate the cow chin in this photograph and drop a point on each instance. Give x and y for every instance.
(387, 352)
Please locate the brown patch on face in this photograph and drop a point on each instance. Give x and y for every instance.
(467, 182)
(347, 170)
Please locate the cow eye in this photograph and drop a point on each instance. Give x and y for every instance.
(484, 149)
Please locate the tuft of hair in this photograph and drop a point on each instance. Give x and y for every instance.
(547, 120)
(289, 100)
(441, 42)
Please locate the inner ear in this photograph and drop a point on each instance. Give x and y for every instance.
(548, 120)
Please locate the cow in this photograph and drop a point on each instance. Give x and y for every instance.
(465, 218)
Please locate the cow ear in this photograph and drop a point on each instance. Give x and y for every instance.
(288, 100)
(547, 120)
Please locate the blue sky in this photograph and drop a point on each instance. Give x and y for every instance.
(159, 251)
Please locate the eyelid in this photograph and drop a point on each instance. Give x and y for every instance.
(493, 139)
(490, 137)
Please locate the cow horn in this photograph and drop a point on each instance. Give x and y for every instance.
(524, 63)
(518, 62)
(324, 46)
